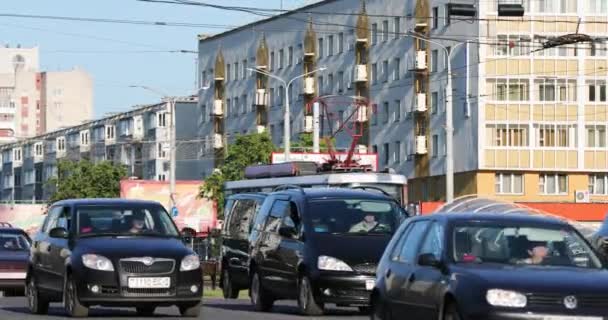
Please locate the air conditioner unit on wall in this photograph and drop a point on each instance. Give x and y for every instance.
(582, 196)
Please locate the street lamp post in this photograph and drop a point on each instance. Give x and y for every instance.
(449, 123)
(287, 114)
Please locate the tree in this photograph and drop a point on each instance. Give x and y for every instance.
(245, 151)
(305, 142)
(84, 179)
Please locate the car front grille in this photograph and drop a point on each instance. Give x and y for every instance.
(131, 292)
(136, 266)
(584, 301)
(367, 268)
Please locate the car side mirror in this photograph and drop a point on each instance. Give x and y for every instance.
(287, 231)
(59, 233)
(429, 260)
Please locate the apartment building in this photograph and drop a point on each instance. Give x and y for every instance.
(529, 123)
(33, 102)
(137, 139)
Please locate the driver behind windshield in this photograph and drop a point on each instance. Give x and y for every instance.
(369, 223)
(138, 223)
(537, 255)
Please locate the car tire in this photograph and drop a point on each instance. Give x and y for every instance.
(36, 301)
(190, 311)
(379, 311)
(228, 288)
(145, 311)
(260, 298)
(306, 299)
(71, 303)
(451, 312)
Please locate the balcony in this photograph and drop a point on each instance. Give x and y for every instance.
(8, 110)
(361, 73)
(420, 102)
(362, 114)
(421, 60)
(309, 86)
(110, 134)
(421, 147)
(260, 129)
(218, 108)
(261, 98)
(218, 141)
(308, 124)
(138, 127)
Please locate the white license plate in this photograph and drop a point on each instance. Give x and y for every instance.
(146, 283)
(369, 284)
(571, 318)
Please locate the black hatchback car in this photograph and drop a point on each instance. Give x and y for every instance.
(490, 266)
(112, 253)
(14, 257)
(239, 212)
(319, 246)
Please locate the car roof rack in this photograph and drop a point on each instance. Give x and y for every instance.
(288, 187)
(373, 188)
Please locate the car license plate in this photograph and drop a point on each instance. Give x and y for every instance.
(570, 318)
(146, 283)
(369, 284)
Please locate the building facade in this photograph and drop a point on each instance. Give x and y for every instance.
(137, 139)
(529, 123)
(33, 102)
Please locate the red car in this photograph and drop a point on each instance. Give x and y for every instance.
(14, 257)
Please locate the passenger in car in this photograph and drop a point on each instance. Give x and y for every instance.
(368, 223)
(537, 255)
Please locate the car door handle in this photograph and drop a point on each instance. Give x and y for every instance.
(48, 248)
(411, 278)
(388, 273)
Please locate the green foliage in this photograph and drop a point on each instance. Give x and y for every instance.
(246, 150)
(83, 179)
(305, 142)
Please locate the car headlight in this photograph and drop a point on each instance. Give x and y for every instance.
(332, 264)
(506, 298)
(190, 263)
(97, 262)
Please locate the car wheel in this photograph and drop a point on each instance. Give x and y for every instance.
(71, 302)
(306, 299)
(145, 311)
(36, 301)
(379, 310)
(260, 298)
(228, 288)
(190, 310)
(451, 312)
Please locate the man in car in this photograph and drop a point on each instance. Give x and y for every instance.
(537, 255)
(368, 224)
(138, 223)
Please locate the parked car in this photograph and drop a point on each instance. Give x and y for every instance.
(112, 252)
(319, 246)
(239, 212)
(14, 257)
(489, 266)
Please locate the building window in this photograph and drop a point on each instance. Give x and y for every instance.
(330, 83)
(434, 102)
(385, 71)
(281, 59)
(228, 71)
(271, 67)
(330, 45)
(435, 17)
(341, 42)
(434, 60)
(320, 87)
(448, 18)
(555, 90)
(509, 183)
(551, 135)
(386, 153)
(553, 184)
(244, 75)
(374, 33)
(397, 152)
(161, 119)
(374, 73)
(508, 89)
(596, 91)
(596, 6)
(385, 112)
(236, 71)
(502, 135)
(385, 30)
(321, 49)
(397, 111)
(397, 27)
(513, 45)
(290, 56)
(435, 145)
(596, 136)
(397, 69)
(340, 81)
(598, 183)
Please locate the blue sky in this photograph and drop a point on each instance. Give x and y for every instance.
(106, 51)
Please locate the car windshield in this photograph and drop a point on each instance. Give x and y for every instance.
(355, 216)
(520, 245)
(13, 242)
(125, 220)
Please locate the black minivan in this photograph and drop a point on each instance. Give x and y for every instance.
(319, 246)
(239, 212)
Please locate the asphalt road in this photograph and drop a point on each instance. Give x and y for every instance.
(216, 309)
